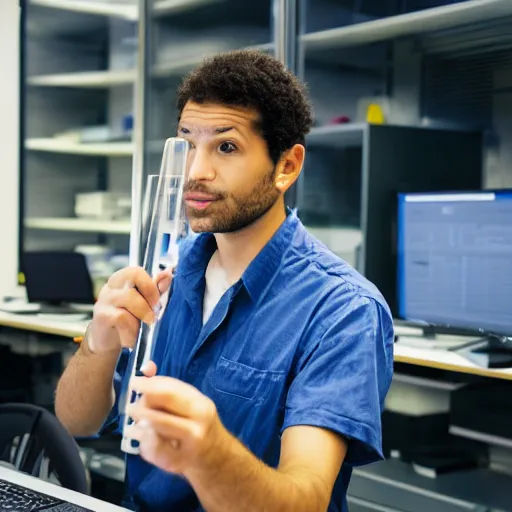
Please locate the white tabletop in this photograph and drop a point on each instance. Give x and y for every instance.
(76, 498)
(445, 360)
(44, 324)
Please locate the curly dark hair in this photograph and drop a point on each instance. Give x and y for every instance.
(253, 79)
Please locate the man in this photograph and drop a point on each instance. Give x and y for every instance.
(274, 356)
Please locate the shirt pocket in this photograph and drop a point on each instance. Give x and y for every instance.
(245, 382)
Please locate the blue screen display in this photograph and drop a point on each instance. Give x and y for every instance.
(455, 259)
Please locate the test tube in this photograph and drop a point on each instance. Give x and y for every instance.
(164, 225)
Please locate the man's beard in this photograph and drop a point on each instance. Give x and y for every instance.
(233, 213)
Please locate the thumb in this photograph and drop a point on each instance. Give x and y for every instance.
(163, 281)
(149, 369)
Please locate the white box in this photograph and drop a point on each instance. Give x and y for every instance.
(102, 205)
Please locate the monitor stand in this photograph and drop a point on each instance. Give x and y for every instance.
(490, 352)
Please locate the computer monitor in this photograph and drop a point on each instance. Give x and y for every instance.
(57, 278)
(455, 260)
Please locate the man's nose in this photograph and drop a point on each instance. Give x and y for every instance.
(200, 167)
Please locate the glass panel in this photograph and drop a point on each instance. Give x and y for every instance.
(79, 72)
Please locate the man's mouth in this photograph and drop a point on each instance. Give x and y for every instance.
(198, 200)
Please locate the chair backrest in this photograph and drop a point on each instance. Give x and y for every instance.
(32, 440)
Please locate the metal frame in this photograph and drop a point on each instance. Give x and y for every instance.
(140, 129)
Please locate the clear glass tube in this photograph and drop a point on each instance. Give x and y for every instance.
(164, 226)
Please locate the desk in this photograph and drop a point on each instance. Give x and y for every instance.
(432, 358)
(38, 323)
(445, 360)
(76, 498)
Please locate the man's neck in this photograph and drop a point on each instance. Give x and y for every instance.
(237, 250)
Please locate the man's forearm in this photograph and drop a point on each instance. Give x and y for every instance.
(84, 394)
(236, 480)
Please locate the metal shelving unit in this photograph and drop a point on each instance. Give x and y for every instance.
(99, 8)
(81, 70)
(79, 225)
(85, 79)
(55, 145)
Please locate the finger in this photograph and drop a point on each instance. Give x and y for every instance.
(127, 326)
(136, 277)
(163, 282)
(149, 369)
(166, 425)
(154, 449)
(133, 302)
(170, 395)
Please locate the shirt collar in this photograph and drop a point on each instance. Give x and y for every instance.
(260, 271)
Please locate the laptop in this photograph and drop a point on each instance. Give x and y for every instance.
(23, 493)
(58, 281)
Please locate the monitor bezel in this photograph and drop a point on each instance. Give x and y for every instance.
(456, 328)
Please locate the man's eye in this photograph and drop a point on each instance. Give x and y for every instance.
(227, 147)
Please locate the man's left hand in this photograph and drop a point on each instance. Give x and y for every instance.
(177, 427)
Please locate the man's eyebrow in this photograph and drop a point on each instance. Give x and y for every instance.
(220, 129)
(223, 129)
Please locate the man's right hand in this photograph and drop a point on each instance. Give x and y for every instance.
(129, 297)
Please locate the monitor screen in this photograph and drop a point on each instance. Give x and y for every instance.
(57, 277)
(455, 259)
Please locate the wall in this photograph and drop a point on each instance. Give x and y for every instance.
(9, 144)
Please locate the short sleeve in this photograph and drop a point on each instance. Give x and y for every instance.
(344, 378)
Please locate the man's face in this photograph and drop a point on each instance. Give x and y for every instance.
(230, 173)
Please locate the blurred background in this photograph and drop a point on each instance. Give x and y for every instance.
(407, 178)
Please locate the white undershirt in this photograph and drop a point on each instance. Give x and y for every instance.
(216, 286)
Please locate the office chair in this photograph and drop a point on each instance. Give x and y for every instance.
(33, 441)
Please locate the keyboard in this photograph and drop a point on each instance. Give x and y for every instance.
(16, 498)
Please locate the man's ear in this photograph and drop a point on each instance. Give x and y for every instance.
(289, 167)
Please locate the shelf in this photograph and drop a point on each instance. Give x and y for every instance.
(76, 148)
(101, 8)
(87, 79)
(338, 135)
(482, 437)
(177, 66)
(170, 7)
(434, 19)
(124, 11)
(76, 224)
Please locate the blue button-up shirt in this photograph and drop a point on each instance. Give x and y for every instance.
(300, 339)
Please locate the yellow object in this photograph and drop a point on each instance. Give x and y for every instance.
(374, 114)
(21, 278)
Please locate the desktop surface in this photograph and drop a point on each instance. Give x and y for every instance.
(63, 325)
(23, 493)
